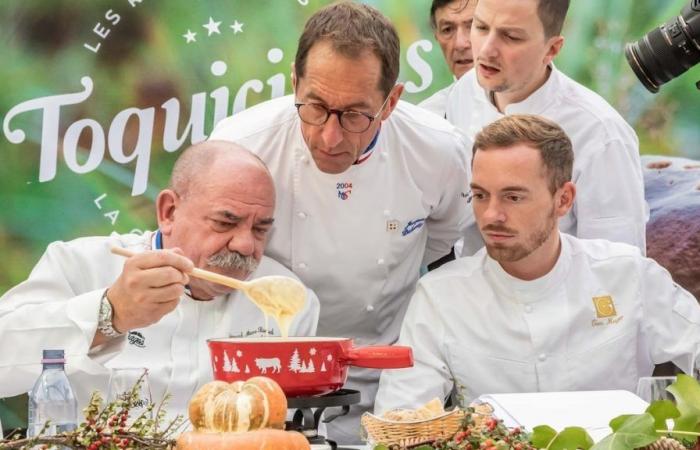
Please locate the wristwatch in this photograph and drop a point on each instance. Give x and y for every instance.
(104, 322)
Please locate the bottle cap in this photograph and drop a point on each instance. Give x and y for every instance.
(53, 357)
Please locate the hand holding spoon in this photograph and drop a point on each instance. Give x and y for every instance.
(278, 296)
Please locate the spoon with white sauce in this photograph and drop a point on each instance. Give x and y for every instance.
(277, 296)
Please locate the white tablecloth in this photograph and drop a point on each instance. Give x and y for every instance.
(591, 410)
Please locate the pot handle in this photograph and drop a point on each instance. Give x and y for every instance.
(380, 357)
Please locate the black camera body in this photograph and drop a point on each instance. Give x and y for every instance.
(668, 50)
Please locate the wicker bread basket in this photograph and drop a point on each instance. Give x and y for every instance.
(405, 433)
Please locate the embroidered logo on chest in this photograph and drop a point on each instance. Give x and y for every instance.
(604, 306)
(605, 311)
(412, 226)
(344, 190)
(136, 339)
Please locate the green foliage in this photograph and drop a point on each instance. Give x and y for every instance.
(570, 438)
(661, 411)
(686, 391)
(635, 431)
(542, 435)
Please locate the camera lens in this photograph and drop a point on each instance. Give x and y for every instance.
(667, 51)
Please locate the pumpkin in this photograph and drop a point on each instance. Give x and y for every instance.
(240, 406)
(249, 440)
(243, 415)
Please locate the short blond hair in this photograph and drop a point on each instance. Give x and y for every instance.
(537, 132)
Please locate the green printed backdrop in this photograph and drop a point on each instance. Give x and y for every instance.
(91, 87)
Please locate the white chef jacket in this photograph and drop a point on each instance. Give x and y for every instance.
(358, 238)
(607, 169)
(58, 305)
(472, 324)
(437, 103)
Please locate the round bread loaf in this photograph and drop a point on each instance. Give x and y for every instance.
(240, 406)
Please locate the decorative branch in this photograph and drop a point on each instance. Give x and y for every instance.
(105, 427)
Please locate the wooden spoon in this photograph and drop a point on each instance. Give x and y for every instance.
(278, 296)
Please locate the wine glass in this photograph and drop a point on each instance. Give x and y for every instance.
(651, 389)
(122, 382)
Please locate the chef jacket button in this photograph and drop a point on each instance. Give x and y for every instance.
(380, 261)
(370, 308)
(304, 159)
(302, 266)
(528, 308)
(387, 213)
(301, 215)
(383, 156)
(542, 357)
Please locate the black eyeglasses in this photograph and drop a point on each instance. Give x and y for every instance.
(352, 121)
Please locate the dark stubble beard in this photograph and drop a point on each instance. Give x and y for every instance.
(230, 261)
(512, 253)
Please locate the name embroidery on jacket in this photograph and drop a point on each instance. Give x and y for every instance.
(259, 331)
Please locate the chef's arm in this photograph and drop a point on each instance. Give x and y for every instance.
(610, 195)
(448, 220)
(45, 312)
(422, 330)
(671, 318)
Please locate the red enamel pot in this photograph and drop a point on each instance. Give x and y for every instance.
(303, 366)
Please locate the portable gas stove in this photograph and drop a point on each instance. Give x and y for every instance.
(309, 415)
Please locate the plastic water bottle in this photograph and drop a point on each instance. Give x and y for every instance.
(52, 398)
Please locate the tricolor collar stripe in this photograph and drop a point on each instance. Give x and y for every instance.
(370, 148)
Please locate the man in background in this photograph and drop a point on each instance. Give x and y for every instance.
(451, 21)
(370, 188)
(514, 43)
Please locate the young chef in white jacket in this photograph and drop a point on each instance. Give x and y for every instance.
(514, 43)
(451, 21)
(108, 311)
(370, 188)
(537, 309)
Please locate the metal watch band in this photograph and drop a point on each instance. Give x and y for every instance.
(104, 323)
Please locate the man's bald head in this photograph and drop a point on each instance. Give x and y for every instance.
(218, 211)
(201, 161)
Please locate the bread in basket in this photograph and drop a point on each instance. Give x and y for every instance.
(407, 427)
